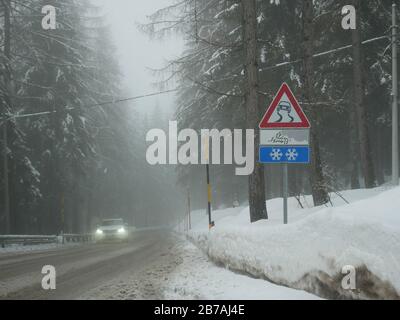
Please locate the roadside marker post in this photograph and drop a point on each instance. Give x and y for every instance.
(211, 223)
(189, 210)
(284, 137)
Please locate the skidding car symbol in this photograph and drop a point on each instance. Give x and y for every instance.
(284, 106)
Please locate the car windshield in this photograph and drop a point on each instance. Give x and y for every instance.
(107, 223)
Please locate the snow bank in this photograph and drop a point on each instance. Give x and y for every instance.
(195, 277)
(310, 252)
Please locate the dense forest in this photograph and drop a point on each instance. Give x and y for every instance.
(74, 149)
(73, 156)
(342, 79)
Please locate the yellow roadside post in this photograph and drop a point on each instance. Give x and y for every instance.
(209, 191)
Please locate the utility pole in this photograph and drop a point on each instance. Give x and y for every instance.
(7, 54)
(5, 180)
(395, 114)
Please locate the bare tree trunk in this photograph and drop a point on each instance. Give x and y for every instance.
(379, 148)
(354, 151)
(257, 205)
(6, 107)
(359, 104)
(319, 192)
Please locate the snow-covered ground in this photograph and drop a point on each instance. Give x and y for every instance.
(186, 273)
(197, 278)
(310, 252)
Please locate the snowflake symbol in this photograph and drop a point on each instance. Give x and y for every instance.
(276, 154)
(291, 154)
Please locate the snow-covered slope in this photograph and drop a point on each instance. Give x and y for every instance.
(310, 252)
(195, 277)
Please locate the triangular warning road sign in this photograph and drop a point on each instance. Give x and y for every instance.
(284, 112)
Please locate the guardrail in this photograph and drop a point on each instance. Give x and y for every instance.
(36, 240)
(26, 240)
(89, 237)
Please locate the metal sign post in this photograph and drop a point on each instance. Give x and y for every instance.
(285, 193)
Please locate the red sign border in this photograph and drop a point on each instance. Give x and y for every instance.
(305, 123)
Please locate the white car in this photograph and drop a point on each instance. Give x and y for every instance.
(112, 229)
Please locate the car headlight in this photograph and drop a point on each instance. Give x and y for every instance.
(121, 230)
(99, 231)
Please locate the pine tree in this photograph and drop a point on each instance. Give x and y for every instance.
(256, 179)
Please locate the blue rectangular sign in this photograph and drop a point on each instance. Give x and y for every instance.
(284, 154)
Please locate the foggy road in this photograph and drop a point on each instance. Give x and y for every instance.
(83, 268)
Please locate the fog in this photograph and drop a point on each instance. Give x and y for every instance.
(81, 158)
(137, 55)
(282, 120)
(136, 52)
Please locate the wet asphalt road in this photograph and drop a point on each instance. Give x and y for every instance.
(81, 268)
